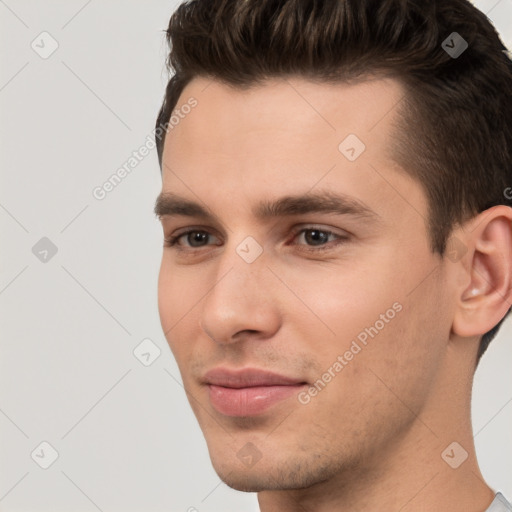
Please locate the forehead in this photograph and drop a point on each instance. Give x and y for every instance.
(288, 136)
(302, 107)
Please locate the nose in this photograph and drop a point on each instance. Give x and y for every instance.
(241, 302)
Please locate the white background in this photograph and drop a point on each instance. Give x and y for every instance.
(125, 434)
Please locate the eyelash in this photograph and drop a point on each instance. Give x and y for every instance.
(173, 240)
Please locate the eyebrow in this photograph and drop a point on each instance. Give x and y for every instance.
(169, 204)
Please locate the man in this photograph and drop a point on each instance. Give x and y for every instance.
(338, 244)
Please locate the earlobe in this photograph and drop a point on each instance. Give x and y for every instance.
(485, 300)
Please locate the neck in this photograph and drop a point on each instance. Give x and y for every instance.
(414, 472)
(411, 476)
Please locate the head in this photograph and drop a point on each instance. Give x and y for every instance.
(351, 230)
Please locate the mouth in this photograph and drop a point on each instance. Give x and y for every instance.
(250, 391)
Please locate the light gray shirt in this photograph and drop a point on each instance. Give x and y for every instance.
(500, 504)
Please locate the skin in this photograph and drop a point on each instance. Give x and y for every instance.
(372, 438)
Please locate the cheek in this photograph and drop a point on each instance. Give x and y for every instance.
(399, 359)
(175, 302)
(180, 294)
(166, 297)
(344, 302)
(375, 388)
(378, 319)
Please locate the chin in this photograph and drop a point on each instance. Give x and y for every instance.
(288, 475)
(252, 480)
(236, 475)
(246, 481)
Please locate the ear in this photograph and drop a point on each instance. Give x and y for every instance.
(486, 293)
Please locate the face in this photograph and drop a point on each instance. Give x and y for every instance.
(300, 290)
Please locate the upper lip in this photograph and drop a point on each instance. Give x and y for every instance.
(247, 377)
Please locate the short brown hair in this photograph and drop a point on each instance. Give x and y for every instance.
(456, 120)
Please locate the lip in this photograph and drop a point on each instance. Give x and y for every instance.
(249, 391)
(247, 377)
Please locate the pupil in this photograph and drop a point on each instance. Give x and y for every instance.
(317, 237)
(196, 236)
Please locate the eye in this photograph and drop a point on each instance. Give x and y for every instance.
(194, 238)
(315, 239)
(318, 239)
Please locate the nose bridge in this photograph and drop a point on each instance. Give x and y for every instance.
(238, 278)
(238, 298)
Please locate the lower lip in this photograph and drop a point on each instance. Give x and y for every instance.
(249, 401)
